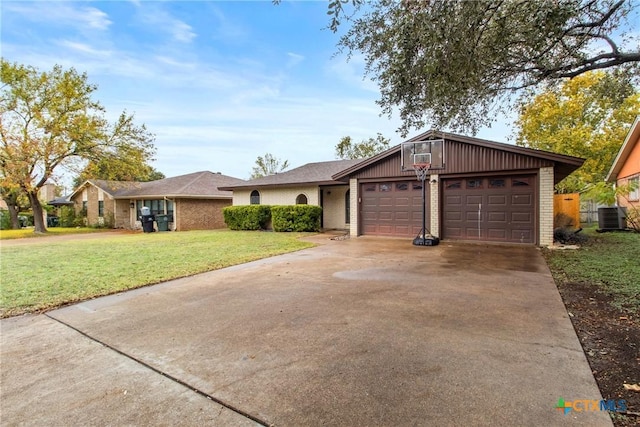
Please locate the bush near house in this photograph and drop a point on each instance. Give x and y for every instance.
(252, 217)
(296, 218)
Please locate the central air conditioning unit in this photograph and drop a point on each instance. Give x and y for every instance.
(612, 219)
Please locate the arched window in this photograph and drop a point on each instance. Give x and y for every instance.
(255, 197)
(301, 199)
(347, 207)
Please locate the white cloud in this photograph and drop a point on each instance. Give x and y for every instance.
(60, 14)
(160, 19)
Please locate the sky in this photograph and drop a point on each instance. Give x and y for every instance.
(217, 83)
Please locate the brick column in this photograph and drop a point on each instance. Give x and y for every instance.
(545, 204)
(434, 207)
(354, 208)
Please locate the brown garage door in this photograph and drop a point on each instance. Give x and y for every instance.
(490, 208)
(392, 208)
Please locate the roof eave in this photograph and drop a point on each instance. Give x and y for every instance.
(281, 185)
(625, 150)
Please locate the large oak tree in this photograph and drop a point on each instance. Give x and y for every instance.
(48, 120)
(455, 63)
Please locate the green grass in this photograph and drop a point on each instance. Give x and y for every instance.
(53, 231)
(41, 276)
(608, 261)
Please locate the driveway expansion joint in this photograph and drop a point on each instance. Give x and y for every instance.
(166, 375)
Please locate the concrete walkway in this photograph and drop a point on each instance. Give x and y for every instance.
(358, 332)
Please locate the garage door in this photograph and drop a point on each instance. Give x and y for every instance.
(392, 208)
(497, 208)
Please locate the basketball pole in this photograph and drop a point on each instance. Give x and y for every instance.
(424, 212)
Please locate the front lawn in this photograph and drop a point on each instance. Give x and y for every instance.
(38, 277)
(600, 287)
(53, 231)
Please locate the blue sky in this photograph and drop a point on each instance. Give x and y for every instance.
(218, 83)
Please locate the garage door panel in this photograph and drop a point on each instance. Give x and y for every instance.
(453, 200)
(392, 208)
(497, 200)
(497, 234)
(522, 217)
(402, 202)
(507, 208)
(522, 199)
(385, 216)
(497, 217)
(402, 216)
(474, 199)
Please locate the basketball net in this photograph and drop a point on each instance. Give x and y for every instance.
(422, 170)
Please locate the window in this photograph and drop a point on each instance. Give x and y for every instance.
(474, 183)
(100, 208)
(255, 197)
(301, 199)
(347, 207)
(386, 187)
(454, 185)
(370, 187)
(520, 182)
(417, 186)
(497, 183)
(402, 186)
(634, 195)
(84, 205)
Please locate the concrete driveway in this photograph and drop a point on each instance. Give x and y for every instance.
(366, 331)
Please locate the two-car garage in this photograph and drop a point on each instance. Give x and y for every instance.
(485, 191)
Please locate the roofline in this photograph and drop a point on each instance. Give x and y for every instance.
(88, 181)
(625, 150)
(292, 184)
(555, 157)
(170, 196)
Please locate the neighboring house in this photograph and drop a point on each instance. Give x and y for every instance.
(309, 184)
(626, 166)
(192, 202)
(487, 191)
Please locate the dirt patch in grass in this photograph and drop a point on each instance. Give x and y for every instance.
(610, 338)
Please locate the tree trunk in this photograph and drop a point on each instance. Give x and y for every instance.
(13, 214)
(36, 207)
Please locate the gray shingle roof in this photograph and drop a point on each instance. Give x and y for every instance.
(318, 173)
(203, 185)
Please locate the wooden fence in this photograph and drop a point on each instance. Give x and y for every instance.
(566, 210)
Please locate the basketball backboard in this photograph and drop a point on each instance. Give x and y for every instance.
(421, 152)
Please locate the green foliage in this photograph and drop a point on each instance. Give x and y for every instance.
(250, 217)
(67, 215)
(5, 220)
(452, 64)
(296, 218)
(105, 263)
(268, 165)
(49, 120)
(346, 149)
(588, 116)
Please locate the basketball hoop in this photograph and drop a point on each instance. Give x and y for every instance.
(422, 170)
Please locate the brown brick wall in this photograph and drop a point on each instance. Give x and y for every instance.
(194, 214)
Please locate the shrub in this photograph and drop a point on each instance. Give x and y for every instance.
(67, 215)
(296, 218)
(250, 217)
(5, 220)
